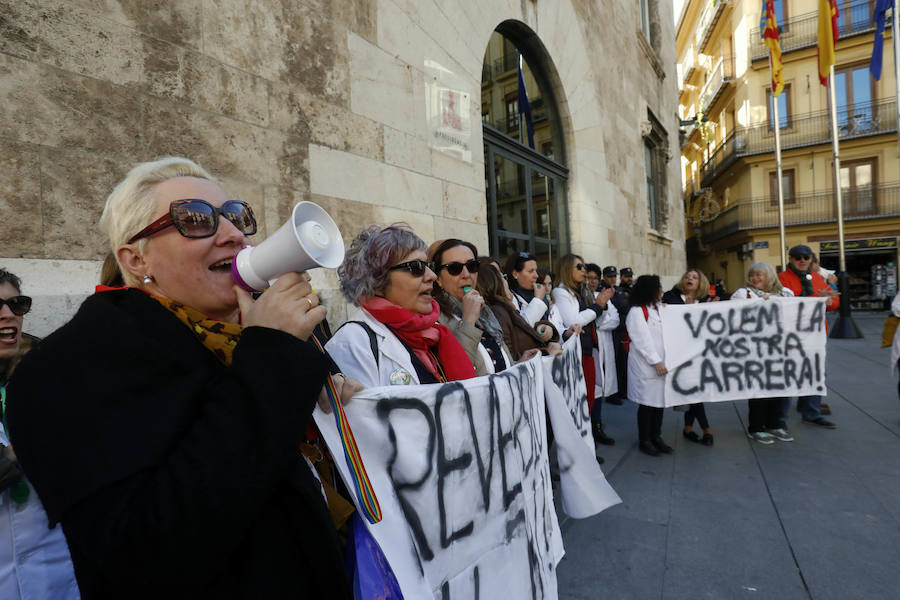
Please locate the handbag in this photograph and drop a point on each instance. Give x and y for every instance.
(367, 567)
(888, 331)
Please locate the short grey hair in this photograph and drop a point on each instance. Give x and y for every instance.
(130, 206)
(773, 284)
(371, 253)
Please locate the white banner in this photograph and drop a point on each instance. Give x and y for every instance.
(461, 472)
(744, 349)
(583, 487)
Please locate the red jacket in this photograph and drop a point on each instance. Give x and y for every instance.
(791, 281)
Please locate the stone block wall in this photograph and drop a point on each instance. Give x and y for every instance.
(320, 100)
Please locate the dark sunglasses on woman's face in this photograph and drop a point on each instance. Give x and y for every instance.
(580, 266)
(200, 219)
(416, 268)
(19, 305)
(455, 268)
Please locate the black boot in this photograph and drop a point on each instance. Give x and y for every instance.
(649, 448)
(600, 436)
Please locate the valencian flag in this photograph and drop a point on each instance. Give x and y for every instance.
(878, 16)
(828, 37)
(769, 28)
(525, 107)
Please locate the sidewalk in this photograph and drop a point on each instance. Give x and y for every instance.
(815, 518)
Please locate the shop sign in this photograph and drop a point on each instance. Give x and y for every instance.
(884, 243)
(760, 245)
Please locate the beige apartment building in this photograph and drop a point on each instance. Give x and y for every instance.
(728, 152)
(378, 110)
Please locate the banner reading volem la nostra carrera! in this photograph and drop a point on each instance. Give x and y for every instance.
(759, 348)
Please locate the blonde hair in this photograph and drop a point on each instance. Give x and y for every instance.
(130, 206)
(773, 284)
(565, 266)
(702, 285)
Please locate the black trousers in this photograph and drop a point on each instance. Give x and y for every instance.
(696, 411)
(621, 364)
(764, 414)
(649, 420)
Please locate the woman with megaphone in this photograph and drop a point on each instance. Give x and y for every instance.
(394, 336)
(166, 442)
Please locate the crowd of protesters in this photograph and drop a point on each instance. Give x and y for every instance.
(161, 426)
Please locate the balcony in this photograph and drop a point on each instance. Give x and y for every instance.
(854, 121)
(507, 62)
(688, 66)
(720, 75)
(708, 20)
(802, 30)
(817, 207)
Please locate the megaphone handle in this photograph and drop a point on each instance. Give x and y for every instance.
(365, 493)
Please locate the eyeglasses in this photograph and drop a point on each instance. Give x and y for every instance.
(455, 268)
(19, 305)
(580, 266)
(416, 268)
(199, 219)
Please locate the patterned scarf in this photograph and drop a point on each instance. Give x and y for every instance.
(218, 337)
(806, 286)
(487, 321)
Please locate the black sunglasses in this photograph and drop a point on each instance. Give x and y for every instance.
(580, 266)
(199, 219)
(19, 305)
(416, 268)
(801, 256)
(455, 268)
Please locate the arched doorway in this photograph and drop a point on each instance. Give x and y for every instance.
(524, 154)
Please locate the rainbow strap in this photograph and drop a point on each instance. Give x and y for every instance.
(368, 502)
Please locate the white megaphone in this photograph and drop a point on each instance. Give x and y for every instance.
(309, 239)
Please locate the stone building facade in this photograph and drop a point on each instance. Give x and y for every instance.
(325, 100)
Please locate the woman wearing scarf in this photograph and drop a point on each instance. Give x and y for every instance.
(462, 307)
(393, 337)
(167, 441)
(765, 424)
(529, 293)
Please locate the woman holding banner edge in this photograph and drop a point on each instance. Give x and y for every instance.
(646, 363)
(765, 424)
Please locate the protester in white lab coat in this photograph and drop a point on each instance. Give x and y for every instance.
(529, 292)
(34, 558)
(646, 363)
(393, 336)
(577, 307)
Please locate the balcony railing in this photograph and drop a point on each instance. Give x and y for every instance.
(721, 74)
(688, 66)
(710, 16)
(817, 207)
(854, 121)
(802, 31)
(507, 62)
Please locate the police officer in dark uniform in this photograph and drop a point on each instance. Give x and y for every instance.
(620, 301)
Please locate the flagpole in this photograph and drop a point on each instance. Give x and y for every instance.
(777, 126)
(844, 327)
(895, 20)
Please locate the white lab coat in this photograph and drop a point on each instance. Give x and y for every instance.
(351, 350)
(605, 353)
(647, 349)
(34, 559)
(567, 304)
(895, 347)
(530, 311)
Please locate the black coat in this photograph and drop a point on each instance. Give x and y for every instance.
(173, 475)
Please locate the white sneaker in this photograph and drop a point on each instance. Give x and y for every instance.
(762, 437)
(780, 434)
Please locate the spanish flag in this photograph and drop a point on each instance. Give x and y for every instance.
(828, 37)
(769, 27)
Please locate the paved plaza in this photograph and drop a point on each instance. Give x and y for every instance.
(815, 518)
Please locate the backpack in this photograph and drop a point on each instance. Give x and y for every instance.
(626, 341)
(373, 341)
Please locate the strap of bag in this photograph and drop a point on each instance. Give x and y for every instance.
(373, 339)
